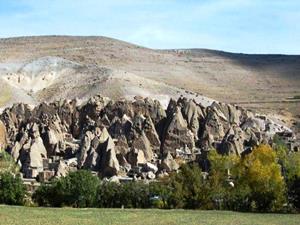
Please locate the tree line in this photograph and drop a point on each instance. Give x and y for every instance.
(266, 180)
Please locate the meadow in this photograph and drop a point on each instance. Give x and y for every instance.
(17, 215)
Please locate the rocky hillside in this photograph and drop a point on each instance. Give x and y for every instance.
(36, 69)
(136, 139)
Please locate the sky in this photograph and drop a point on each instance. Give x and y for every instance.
(246, 26)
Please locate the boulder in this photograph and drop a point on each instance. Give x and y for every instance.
(234, 114)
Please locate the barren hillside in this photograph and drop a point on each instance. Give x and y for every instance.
(52, 67)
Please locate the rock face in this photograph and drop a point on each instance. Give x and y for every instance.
(2, 136)
(177, 135)
(126, 138)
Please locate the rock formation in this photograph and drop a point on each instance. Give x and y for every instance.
(126, 138)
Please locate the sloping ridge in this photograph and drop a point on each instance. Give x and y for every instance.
(237, 78)
(54, 78)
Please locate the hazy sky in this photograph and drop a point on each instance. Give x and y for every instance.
(250, 26)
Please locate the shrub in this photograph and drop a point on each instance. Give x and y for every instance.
(108, 195)
(12, 190)
(77, 189)
(128, 195)
(7, 163)
(160, 193)
(48, 195)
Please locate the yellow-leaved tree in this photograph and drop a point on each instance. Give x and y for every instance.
(260, 175)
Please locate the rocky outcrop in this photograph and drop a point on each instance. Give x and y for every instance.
(2, 136)
(233, 141)
(177, 135)
(119, 138)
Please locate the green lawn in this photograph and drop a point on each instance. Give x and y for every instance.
(12, 215)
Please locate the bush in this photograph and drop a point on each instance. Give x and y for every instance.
(160, 194)
(77, 189)
(7, 163)
(135, 195)
(128, 195)
(47, 195)
(108, 195)
(12, 190)
(294, 192)
(81, 189)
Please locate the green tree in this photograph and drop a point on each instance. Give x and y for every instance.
(162, 190)
(189, 189)
(77, 189)
(12, 190)
(135, 195)
(290, 164)
(220, 178)
(108, 195)
(128, 195)
(293, 178)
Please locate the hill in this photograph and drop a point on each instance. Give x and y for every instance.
(35, 69)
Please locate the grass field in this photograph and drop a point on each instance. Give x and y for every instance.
(11, 215)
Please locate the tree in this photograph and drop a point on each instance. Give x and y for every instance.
(135, 195)
(258, 176)
(160, 193)
(77, 189)
(290, 163)
(108, 195)
(12, 190)
(293, 178)
(220, 183)
(128, 195)
(189, 189)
